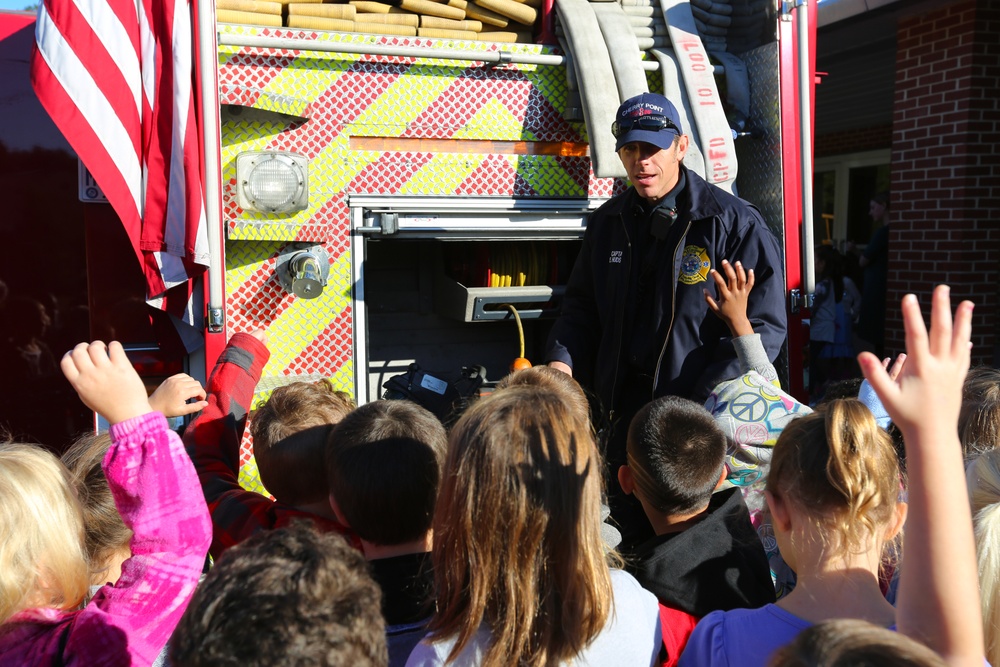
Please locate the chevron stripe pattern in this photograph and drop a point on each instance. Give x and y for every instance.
(315, 103)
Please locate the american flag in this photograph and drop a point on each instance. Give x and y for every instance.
(117, 78)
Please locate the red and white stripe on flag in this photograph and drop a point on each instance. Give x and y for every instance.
(117, 78)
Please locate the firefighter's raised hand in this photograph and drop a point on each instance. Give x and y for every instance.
(734, 291)
(104, 378)
(172, 396)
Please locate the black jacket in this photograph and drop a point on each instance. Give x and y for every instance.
(716, 564)
(692, 350)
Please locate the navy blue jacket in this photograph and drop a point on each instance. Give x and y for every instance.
(693, 346)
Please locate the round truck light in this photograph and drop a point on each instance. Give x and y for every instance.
(272, 182)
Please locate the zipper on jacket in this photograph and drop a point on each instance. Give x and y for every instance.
(673, 309)
(621, 318)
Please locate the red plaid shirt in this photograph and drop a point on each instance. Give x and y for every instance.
(213, 443)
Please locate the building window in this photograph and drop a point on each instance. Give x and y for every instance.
(843, 185)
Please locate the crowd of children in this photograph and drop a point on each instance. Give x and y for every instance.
(393, 541)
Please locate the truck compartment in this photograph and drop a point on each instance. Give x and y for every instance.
(425, 301)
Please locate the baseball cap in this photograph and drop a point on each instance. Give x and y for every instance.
(646, 117)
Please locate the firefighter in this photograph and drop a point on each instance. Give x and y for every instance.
(634, 323)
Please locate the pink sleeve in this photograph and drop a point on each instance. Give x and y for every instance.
(159, 498)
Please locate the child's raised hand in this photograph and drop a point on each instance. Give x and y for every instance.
(171, 397)
(734, 291)
(260, 333)
(104, 378)
(927, 389)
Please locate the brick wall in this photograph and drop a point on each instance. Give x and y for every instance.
(945, 166)
(853, 141)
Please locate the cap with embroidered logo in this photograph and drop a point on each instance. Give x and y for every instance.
(647, 117)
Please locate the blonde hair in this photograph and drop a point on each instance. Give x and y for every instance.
(42, 558)
(106, 533)
(983, 478)
(517, 540)
(840, 465)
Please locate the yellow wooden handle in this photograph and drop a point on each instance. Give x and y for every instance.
(259, 6)
(475, 11)
(511, 9)
(247, 18)
(320, 23)
(371, 7)
(326, 11)
(429, 8)
(406, 18)
(449, 24)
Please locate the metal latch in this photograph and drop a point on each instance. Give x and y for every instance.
(796, 302)
(389, 222)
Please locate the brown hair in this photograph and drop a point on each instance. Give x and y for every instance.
(979, 418)
(676, 453)
(383, 463)
(853, 643)
(517, 539)
(106, 533)
(840, 465)
(289, 433)
(553, 380)
(291, 596)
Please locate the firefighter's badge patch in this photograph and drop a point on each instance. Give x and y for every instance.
(695, 265)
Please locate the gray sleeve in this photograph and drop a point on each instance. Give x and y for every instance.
(750, 351)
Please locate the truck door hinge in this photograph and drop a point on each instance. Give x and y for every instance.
(796, 301)
(215, 320)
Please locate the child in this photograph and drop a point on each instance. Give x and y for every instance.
(293, 597)
(983, 476)
(43, 566)
(751, 410)
(289, 435)
(979, 420)
(939, 579)
(836, 306)
(832, 490)
(520, 567)
(575, 398)
(384, 464)
(106, 535)
(706, 555)
(853, 643)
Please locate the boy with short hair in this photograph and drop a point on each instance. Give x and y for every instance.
(690, 467)
(289, 438)
(292, 597)
(706, 555)
(383, 464)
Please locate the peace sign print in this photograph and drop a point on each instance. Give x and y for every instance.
(749, 407)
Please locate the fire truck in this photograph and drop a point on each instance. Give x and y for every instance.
(391, 199)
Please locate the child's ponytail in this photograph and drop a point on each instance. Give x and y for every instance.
(861, 466)
(840, 465)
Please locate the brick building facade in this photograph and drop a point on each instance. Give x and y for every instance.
(945, 162)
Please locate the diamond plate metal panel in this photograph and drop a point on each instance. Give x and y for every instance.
(762, 185)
